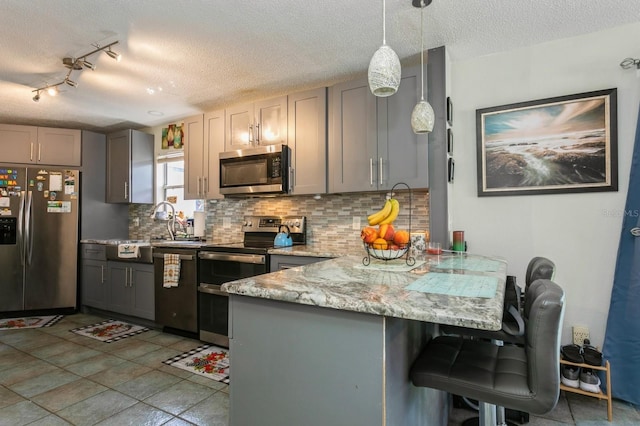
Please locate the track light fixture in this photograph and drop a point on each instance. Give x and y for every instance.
(76, 64)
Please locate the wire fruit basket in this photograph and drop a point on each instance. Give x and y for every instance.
(386, 254)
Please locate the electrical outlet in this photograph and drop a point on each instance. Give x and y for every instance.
(580, 332)
(136, 222)
(355, 224)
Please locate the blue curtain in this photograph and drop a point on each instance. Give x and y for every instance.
(622, 338)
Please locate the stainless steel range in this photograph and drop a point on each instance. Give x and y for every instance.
(221, 263)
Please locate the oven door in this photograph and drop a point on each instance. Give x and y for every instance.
(216, 269)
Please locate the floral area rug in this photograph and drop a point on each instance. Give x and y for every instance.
(29, 322)
(206, 360)
(110, 330)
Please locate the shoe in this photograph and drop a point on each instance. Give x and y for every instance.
(591, 355)
(570, 376)
(589, 382)
(572, 353)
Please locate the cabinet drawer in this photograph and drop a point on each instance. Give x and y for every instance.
(93, 251)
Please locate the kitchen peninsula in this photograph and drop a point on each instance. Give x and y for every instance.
(332, 342)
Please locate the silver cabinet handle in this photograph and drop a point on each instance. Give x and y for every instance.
(258, 135)
(31, 152)
(635, 232)
(198, 185)
(39, 151)
(101, 274)
(126, 190)
(130, 277)
(126, 277)
(205, 185)
(370, 171)
(380, 178)
(292, 176)
(250, 134)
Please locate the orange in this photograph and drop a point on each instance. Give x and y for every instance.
(401, 237)
(380, 243)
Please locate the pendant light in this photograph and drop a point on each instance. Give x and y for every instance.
(422, 117)
(384, 67)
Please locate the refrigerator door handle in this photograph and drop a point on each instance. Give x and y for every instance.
(28, 220)
(20, 229)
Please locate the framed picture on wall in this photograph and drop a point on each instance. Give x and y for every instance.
(555, 145)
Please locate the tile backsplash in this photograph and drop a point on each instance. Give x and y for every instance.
(329, 218)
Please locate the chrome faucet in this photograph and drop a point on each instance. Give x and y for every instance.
(171, 224)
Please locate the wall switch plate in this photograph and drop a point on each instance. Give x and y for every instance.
(136, 222)
(580, 332)
(355, 224)
(226, 221)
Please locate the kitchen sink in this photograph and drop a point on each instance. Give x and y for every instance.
(146, 251)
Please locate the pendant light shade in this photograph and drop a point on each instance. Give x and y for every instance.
(422, 117)
(384, 67)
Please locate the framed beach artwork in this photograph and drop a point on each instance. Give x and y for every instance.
(555, 145)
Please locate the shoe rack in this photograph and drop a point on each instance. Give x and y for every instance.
(599, 395)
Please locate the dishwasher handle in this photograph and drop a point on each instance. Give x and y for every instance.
(182, 256)
(257, 259)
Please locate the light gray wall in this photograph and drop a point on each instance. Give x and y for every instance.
(579, 232)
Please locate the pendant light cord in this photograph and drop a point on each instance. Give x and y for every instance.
(422, 49)
(384, 23)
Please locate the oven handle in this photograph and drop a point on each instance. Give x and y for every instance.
(182, 256)
(212, 289)
(257, 259)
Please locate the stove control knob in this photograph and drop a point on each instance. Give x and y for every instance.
(297, 224)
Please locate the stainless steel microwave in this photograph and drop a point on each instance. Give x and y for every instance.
(261, 170)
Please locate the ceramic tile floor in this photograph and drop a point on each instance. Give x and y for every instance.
(50, 376)
(572, 409)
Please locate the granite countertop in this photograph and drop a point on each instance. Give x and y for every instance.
(154, 243)
(345, 283)
(317, 250)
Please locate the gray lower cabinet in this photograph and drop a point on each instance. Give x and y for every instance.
(93, 276)
(130, 289)
(279, 262)
(371, 143)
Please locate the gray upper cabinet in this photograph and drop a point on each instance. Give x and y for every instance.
(40, 145)
(204, 135)
(308, 141)
(259, 123)
(130, 167)
(371, 143)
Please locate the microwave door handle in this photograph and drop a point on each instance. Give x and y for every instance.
(291, 178)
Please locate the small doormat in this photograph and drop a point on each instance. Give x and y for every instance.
(207, 360)
(110, 330)
(29, 322)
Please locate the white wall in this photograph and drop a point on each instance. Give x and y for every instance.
(579, 232)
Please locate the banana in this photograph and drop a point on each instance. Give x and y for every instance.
(395, 209)
(378, 216)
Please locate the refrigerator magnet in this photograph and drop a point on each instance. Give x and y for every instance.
(46, 194)
(40, 186)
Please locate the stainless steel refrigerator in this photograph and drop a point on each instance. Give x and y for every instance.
(38, 238)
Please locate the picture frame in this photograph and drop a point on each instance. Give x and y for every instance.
(565, 144)
(449, 141)
(449, 111)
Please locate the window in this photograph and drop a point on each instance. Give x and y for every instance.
(170, 183)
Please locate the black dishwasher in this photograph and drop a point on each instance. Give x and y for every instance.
(177, 307)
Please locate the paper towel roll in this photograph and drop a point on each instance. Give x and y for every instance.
(198, 224)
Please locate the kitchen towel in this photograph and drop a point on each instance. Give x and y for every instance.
(198, 224)
(128, 251)
(171, 270)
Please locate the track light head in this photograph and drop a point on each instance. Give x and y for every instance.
(70, 82)
(36, 98)
(87, 64)
(113, 54)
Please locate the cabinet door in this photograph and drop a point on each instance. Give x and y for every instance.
(308, 141)
(271, 121)
(194, 157)
(118, 166)
(141, 168)
(214, 145)
(119, 290)
(93, 283)
(60, 147)
(240, 127)
(352, 138)
(142, 292)
(402, 155)
(18, 143)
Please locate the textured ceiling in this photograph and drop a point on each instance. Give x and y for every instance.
(201, 55)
